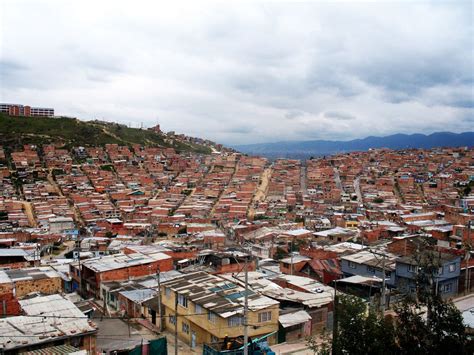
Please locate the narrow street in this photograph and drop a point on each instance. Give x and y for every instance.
(337, 178)
(357, 190)
(261, 192)
(304, 187)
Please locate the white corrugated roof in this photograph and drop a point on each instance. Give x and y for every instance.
(32, 329)
(294, 318)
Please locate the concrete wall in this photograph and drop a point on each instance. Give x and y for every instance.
(364, 270)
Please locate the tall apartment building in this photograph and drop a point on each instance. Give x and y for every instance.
(21, 110)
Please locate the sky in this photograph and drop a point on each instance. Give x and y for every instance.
(245, 72)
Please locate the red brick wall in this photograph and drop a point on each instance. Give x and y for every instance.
(135, 271)
(316, 253)
(222, 269)
(296, 267)
(401, 247)
(9, 305)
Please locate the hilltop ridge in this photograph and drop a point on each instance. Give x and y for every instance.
(16, 131)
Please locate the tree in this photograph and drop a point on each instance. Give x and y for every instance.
(280, 253)
(361, 330)
(442, 330)
(424, 324)
(320, 348)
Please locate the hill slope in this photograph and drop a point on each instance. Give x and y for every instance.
(324, 147)
(16, 131)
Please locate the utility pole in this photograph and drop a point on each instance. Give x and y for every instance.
(175, 322)
(159, 298)
(467, 257)
(80, 273)
(382, 302)
(291, 257)
(384, 276)
(335, 325)
(246, 301)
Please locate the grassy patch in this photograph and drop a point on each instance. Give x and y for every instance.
(16, 131)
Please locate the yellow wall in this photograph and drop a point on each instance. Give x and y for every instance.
(204, 328)
(352, 224)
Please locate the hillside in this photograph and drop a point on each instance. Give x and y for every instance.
(15, 131)
(304, 149)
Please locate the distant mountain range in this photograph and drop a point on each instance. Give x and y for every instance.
(305, 149)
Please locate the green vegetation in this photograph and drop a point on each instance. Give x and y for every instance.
(423, 323)
(107, 167)
(16, 131)
(360, 332)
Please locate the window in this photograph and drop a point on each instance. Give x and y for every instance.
(264, 317)
(235, 321)
(185, 328)
(446, 288)
(183, 301)
(371, 269)
(440, 270)
(172, 319)
(212, 317)
(352, 265)
(412, 268)
(452, 267)
(167, 291)
(197, 309)
(214, 339)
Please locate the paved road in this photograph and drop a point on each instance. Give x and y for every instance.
(357, 190)
(69, 245)
(337, 177)
(304, 187)
(300, 348)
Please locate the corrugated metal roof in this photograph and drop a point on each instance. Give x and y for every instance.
(22, 331)
(294, 318)
(57, 350)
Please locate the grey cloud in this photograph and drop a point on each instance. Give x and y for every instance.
(292, 114)
(247, 73)
(240, 130)
(339, 116)
(12, 72)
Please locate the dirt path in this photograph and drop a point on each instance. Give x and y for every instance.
(261, 192)
(54, 184)
(29, 213)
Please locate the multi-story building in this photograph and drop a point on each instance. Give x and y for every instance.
(370, 264)
(21, 110)
(89, 274)
(209, 308)
(446, 277)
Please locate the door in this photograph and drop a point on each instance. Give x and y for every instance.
(153, 316)
(193, 339)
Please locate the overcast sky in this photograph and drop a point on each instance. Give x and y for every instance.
(246, 72)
